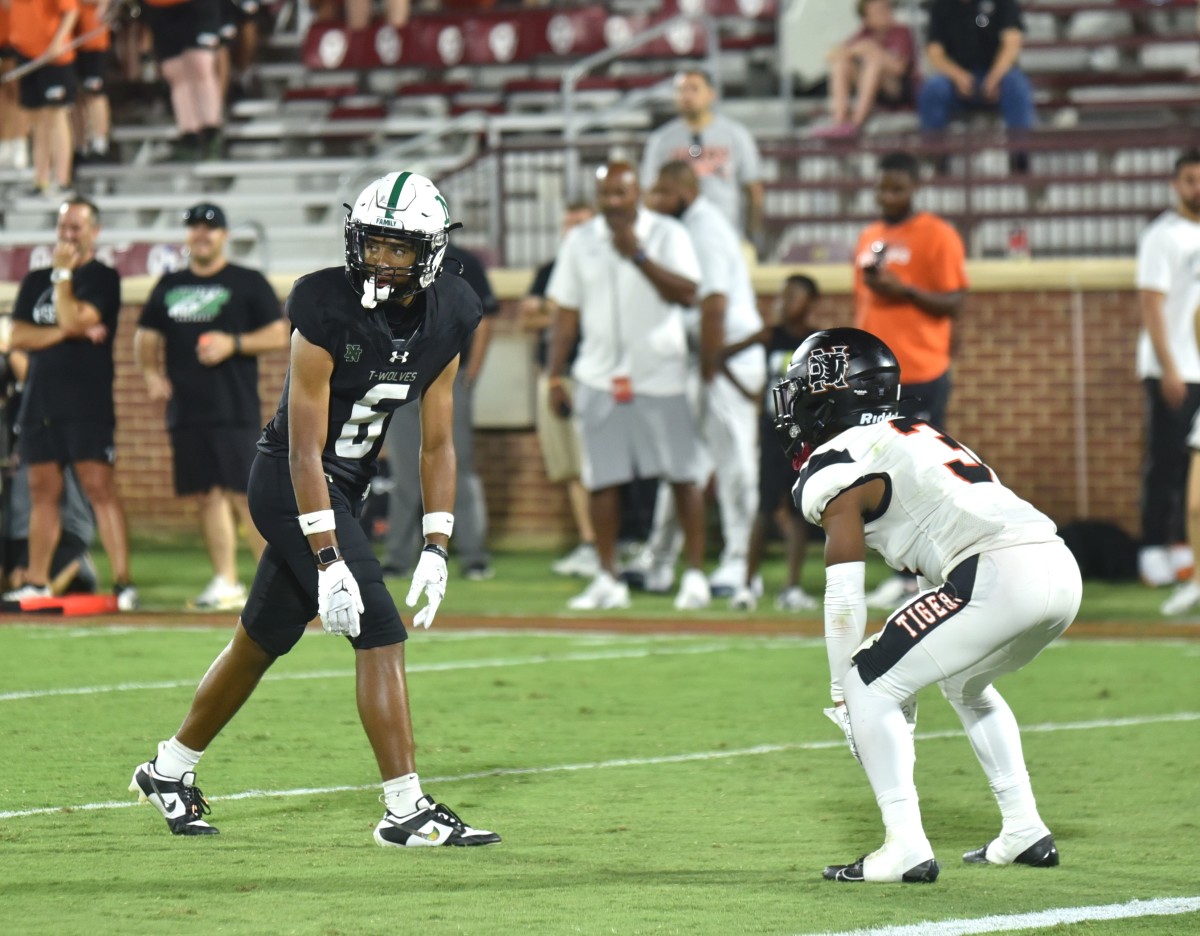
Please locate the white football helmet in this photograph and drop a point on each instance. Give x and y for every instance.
(402, 206)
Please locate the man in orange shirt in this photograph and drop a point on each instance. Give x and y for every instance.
(910, 281)
(41, 30)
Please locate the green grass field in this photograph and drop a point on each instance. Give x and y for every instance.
(643, 783)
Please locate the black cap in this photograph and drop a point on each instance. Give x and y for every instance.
(205, 213)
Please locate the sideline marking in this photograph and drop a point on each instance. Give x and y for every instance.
(448, 666)
(1041, 919)
(620, 762)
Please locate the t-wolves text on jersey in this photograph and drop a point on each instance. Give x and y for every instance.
(373, 373)
(941, 506)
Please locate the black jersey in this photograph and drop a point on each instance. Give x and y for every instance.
(374, 372)
(71, 380)
(182, 307)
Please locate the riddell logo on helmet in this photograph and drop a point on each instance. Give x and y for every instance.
(869, 419)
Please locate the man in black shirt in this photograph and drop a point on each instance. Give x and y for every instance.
(366, 340)
(66, 318)
(197, 343)
(470, 505)
(972, 50)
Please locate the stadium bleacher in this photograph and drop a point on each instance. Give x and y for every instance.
(476, 99)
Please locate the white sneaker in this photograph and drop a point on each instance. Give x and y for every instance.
(1154, 566)
(220, 595)
(694, 592)
(1183, 563)
(892, 592)
(580, 562)
(727, 577)
(604, 592)
(659, 579)
(28, 591)
(743, 600)
(1183, 599)
(795, 599)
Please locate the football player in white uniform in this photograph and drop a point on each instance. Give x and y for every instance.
(998, 585)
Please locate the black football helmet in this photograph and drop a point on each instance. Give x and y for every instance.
(838, 378)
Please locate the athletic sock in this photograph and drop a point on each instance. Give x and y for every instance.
(175, 759)
(401, 794)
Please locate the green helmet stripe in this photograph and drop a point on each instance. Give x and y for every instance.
(396, 189)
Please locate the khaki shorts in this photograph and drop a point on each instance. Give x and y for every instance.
(557, 436)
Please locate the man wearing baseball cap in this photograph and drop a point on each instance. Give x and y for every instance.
(197, 343)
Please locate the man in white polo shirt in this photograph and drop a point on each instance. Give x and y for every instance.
(1168, 281)
(621, 280)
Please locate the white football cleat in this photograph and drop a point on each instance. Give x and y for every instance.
(1183, 599)
(432, 825)
(603, 593)
(693, 592)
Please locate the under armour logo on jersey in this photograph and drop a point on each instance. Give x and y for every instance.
(398, 357)
(353, 353)
(827, 369)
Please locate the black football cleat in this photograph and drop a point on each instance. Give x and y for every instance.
(1041, 854)
(432, 824)
(925, 873)
(180, 801)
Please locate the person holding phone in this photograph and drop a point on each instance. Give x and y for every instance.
(910, 282)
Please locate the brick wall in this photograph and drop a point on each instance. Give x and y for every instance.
(1014, 403)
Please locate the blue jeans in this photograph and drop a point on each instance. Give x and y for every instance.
(939, 102)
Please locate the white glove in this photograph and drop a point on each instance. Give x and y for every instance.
(841, 717)
(338, 600)
(428, 577)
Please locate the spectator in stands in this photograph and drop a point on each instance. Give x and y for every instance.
(776, 476)
(239, 44)
(92, 112)
(14, 132)
(186, 35)
(620, 280)
(910, 282)
(405, 537)
(42, 32)
(731, 388)
(1168, 363)
(556, 435)
(877, 63)
(972, 50)
(197, 343)
(65, 317)
(359, 13)
(721, 150)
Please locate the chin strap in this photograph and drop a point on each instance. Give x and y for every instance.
(372, 294)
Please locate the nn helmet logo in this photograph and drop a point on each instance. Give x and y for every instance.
(827, 369)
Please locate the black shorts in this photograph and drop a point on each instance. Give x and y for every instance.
(48, 86)
(67, 443)
(208, 457)
(178, 29)
(775, 475)
(283, 598)
(89, 67)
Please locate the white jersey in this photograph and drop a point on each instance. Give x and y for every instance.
(942, 505)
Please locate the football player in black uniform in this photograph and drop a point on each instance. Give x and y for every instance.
(383, 333)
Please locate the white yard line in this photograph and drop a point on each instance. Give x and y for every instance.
(622, 762)
(635, 653)
(1041, 919)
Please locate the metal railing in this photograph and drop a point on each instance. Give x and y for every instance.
(575, 122)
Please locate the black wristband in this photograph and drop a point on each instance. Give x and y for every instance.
(435, 548)
(237, 344)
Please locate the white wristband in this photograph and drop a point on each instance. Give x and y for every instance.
(439, 522)
(319, 521)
